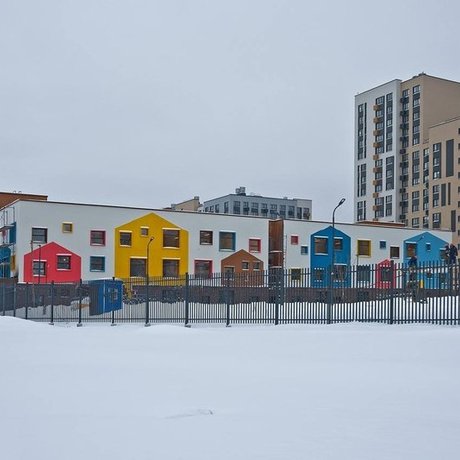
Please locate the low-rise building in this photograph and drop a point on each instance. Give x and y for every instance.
(241, 204)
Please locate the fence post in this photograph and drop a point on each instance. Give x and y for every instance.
(15, 297)
(3, 297)
(278, 275)
(457, 289)
(331, 295)
(79, 303)
(52, 304)
(187, 287)
(27, 301)
(112, 301)
(227, 299)
(392, 291)
(147, 301)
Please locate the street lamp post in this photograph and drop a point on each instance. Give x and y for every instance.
(331, 272)
(39, 262)
(147, 299)
(333, 230)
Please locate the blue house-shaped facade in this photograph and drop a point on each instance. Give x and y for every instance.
(5, 268)
(429, 249)
(327, 244)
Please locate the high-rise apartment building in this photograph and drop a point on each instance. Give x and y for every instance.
(407, 153)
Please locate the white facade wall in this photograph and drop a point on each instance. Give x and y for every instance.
(245, 227)
(393, 236)
(369, 98)
(85, 218)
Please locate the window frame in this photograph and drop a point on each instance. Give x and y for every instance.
(173, 262)
(33, 237)
(92, 239)
(67, 227)
(138, 259)
(202, 274)
(91, 261)
(59, 263)
(294, 240)
(39, 267)
(123, 233)
(206, 237)
(366, 242)
(324, 240)
(227, 234)
(171, 235)
(258, 245)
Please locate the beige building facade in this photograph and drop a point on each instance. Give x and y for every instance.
(407, 153)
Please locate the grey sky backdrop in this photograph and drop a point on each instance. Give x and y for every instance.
(148, 103)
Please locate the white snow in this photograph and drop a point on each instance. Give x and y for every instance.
(354, 391)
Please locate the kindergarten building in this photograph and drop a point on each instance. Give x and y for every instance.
(44, 241)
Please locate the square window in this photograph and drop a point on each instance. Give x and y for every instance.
(227, 241)
(97, 264)
(338, 244)
(296, 274)
(229, 272)
(63, 262)
(171, 238)
(318, 274)
(170, 268)
(304, 250)
(39, 235)
(254, 245)
(394, 252)
(385, 274)
(144, 231)
(340, 272)
(206, 237)
(364, 248)
(126, 239)
(256, 265)
(39, 267)
(320, 245)
(245, 265)
(97, 238)
(363, 273)
(137, 267)
(67, 227)
(411, 249)
(203, 268)
(383, 244)
(294, 239)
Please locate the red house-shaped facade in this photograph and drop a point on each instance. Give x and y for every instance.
(51, 262)
(384, 275)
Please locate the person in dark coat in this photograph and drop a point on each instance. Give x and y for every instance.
(446, 253)
(453, 253)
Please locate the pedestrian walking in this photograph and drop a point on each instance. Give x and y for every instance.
(453, 254)
(446, 253)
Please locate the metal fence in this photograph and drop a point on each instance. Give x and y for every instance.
(386, 293)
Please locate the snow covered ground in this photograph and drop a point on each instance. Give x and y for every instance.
(354, 391)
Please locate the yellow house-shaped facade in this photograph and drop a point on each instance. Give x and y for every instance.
(150, 245)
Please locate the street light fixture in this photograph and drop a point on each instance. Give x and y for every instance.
(147, 299)
(331, 272)
(333, 230)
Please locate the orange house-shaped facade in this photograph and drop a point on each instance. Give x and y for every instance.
(247, 268)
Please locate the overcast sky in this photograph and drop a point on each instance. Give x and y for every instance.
(148, 103)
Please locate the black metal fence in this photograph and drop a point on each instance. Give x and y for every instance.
(386, 293)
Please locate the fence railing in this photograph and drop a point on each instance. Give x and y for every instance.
(387, 293)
